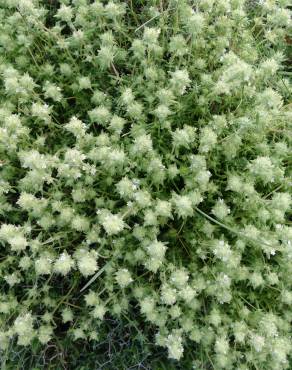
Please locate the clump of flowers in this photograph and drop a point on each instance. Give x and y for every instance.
(144, 175)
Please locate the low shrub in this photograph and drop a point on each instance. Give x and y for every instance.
(144, 181)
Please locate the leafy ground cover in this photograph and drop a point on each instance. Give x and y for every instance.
(145, 184)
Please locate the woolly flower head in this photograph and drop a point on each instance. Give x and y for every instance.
(64, 264)
(268, 67)
(78, 333)
(41, 111)
(86, 261)
(117, 124)
(269, 99)
(153, 264)
(235, 183)
(162, 112)
(235, 74)
(123, 277)
(222, 250)
(165, 96)
(281, 201)
(256, 279)
(76, 127)
(183, 205)
(67, 315)
(25, 263)
(257, 342)
(80, 223)
(135, 110)
(263, 168)
(143, 198)
(281, 348)
(150, 218)
(240, 331)
(100, 115)
(203, 178)
(221, 346)
(43, 264)
(208, 140)
(115, 157)
(142, 144)
(163, 208)
(138, 48)
(198, 162)
(268, 325)
(156, 249)
(180, 81)
(187, 293)
(151, 35)
(65, 13)
(179, 278)
(99, 311)
(223, 280)
(174, 345)
(45, 333)
(33, 160)
(195, 23)
(14, 236)
(25, 6)
(84, 83)
(127, 96)
(183, 137)
(27, 82)
(178, 45)
(13, 125)
(17, 242)
(52, 91)
(74, 157)
(281, 17)
(23, 327)
(147, 305)
(113, 224)
(106, 55)
(220, 210)
(168, 294)
(12, 279)
(91, 298)
(114, 10)
(126, 187)
(65, 69)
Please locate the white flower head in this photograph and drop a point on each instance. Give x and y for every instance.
(113, 224)
(64, 264)
(123, 277)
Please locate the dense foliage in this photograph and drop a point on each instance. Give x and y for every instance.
(144, 151)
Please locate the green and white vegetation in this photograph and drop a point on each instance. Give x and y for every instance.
(145, 152)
